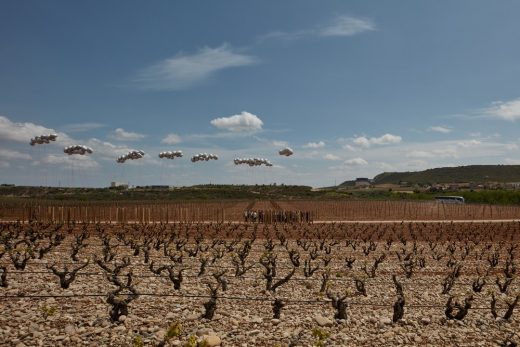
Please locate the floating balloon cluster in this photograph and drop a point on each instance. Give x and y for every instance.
(77, 149)
(132, 155)
(203, 157)
(252, 161)
(170, 154)
(286, 151)
(40, 140)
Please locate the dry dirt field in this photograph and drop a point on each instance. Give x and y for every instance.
(190, 284)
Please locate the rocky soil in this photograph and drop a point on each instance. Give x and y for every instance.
(35, 311)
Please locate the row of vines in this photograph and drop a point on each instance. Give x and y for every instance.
(453, 270)
(149, 212)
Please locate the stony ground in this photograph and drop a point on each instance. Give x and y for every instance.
(244, 314)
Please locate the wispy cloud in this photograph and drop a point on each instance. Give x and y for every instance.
(11, 154)
(243, 122)
(279, 143)
(172, 139)
(469, 143)
(319, 144)
(440, 129)
(340, 26)
(332, 157)
(77, 161)
(123, 135)
(449, 152)
(350, 148)
(506, 110)
(356, 162)
(187, 70)
(347, 26)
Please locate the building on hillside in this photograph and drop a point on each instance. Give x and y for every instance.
(119, 185)
(362, 182)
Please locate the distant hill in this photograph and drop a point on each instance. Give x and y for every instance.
(199, 192)
(460, 174)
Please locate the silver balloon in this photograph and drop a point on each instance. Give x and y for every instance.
(40, 140)
(252, 161)
(204, 157)
(132, 155)
(286, 151)
(170, 154)
(77, 149)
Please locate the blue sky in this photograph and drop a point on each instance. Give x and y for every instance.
(355, 88)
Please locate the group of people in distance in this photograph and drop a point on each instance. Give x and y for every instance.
(277, 216)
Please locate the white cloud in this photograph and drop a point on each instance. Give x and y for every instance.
(4, 165)
(384, 166)
(244, 121)
(446, 152)
(440, 129)
(362, 141)
(10, 154)
(469, 143)
(314, 145)
(75, 161)
(107, 150)
(340, 26)
(309, 155)
(386, 139)
(330, 156)
(279, 143)
(347, 26)
(356, 162)
(172, 139)
(122, 135)
(417, 163)
(509, 110)
(419, 154)
(350, 148)
(21, 132)
(184, 71)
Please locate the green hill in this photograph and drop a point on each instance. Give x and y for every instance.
(460, 174)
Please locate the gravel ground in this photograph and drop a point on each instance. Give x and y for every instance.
(244, 314)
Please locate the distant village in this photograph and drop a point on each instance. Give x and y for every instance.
(366, 183)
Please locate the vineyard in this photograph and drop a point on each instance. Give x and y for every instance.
(253, 284)
(233, 211)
